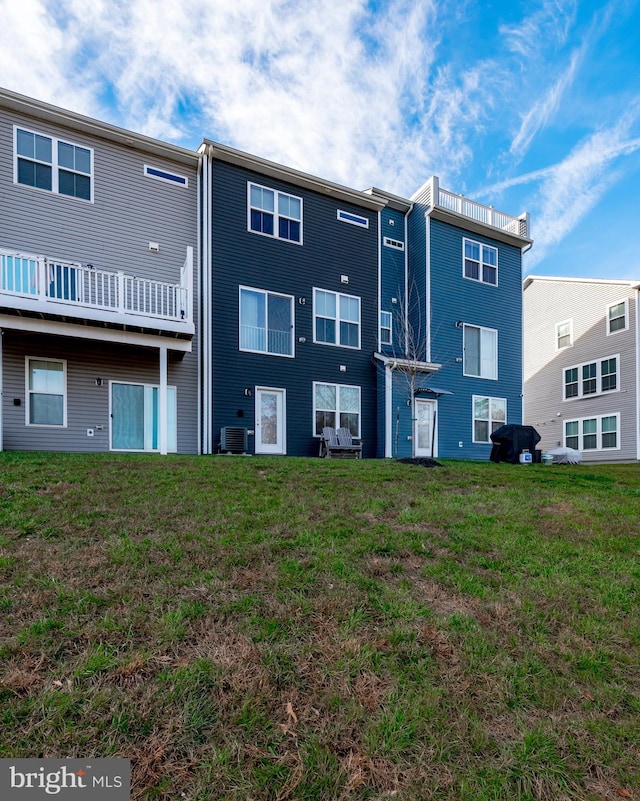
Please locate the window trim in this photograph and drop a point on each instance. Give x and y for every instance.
(55, 165)
(481, 262)
(598, 378)
(172, 178)
(276, 214)
(29, 392)
(489, 420)
(598, 418)
(568, 322)
(624, 301)
(266, 293)
(395, 244)
(352, 219)
(464, 352)
(338, 320)
(337, 409)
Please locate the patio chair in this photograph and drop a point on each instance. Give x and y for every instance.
(345, 441)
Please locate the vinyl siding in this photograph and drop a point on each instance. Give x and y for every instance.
(547, 303)
(112, 233)
(455, 298)
(87, 403)
(331, 248)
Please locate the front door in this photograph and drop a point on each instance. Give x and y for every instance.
(270, 416)
(424, 427)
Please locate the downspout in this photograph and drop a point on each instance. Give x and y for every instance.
(206, 305)
(522, 252)
(199, 337)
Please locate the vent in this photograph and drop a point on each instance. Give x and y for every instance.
(233, 440)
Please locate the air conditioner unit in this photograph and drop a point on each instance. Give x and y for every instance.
(233, 440)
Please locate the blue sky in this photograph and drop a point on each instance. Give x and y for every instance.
(527, 106)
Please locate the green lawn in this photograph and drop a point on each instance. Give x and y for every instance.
(255, 628)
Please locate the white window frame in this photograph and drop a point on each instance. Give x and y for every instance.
(266, 293)
(277, 194)
(480, 328)
(167, 177)
(389, 328)
(610, 306)
(54, 164)
(396, 244)
(481, 262)
(29, 392)
(172, 445)
(337, 319)
(598, 378)
(598, 433)
(488, 419)
(352, 219)
(337, 411)
(570, 334)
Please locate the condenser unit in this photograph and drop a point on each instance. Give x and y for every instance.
(233, 440)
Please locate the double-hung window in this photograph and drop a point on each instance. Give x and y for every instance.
(46, 392)
(266, 322)
(274, 213)
(480, 262)
(591, 378)
(593, 433)
(564, 334)
(617, 317)
(488, 415)
(336, 318)
(54, 165)
(336, 406)
(386, 320)
(480, 352)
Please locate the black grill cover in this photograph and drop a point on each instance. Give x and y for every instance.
(509, 441)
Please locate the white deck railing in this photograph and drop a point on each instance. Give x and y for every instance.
(64, 282)
(519, 226)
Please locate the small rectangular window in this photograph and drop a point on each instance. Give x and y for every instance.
(386, 320)
(396, 244)
(617, 314)
(275, 214)
(352, 219)
(564, 335)
(480, 262)
(46, 392)
(164, 175)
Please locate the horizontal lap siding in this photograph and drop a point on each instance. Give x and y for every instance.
(113, 233)
(547, 303)
(455, 298)
(87, 403)
(330, 249)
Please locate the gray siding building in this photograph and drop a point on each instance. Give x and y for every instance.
(581, 365)
(98, 255)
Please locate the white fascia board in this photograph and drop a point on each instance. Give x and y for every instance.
(420, 367)
(288, 174)
(87, 125)
(36, 325)
(571, 280)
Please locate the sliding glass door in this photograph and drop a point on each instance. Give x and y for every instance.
(135, 417)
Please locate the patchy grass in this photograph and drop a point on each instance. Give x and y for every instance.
(311, 629)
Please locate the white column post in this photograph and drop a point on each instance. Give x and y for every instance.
(162, 402)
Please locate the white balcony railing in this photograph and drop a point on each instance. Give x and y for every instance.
(518, 226)
(39, 278)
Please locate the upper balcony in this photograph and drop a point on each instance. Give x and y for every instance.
(476, 216)
(36, 286)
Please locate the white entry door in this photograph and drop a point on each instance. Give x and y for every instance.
(270, 417)
(423, 432)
